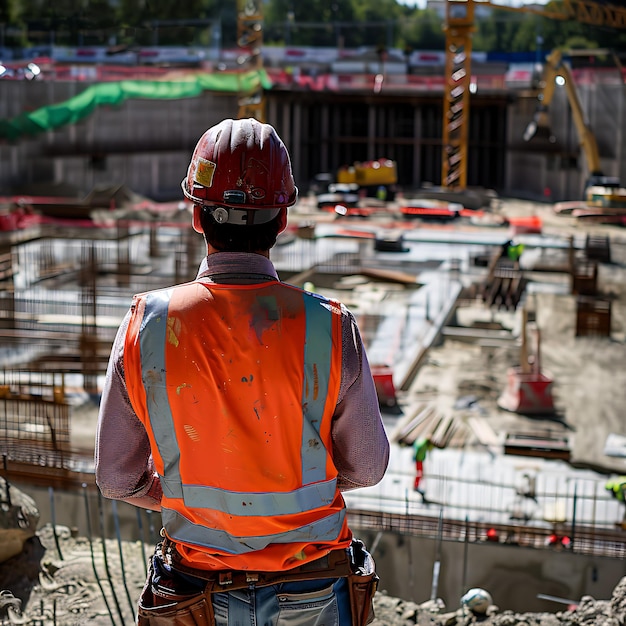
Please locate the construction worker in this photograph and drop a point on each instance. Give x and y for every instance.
(617, 487)
(421, 446)
(241, 408)
(512, 251)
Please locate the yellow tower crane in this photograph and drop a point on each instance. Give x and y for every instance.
(458, 26)
(250, 41)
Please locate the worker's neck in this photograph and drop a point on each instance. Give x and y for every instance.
(211, 250)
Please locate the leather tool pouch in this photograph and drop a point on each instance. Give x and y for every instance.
(195, 611)
(362, 590)
(166, 601)
(362, 582)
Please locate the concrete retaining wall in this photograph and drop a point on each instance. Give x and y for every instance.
(513, 575)
(146, 144)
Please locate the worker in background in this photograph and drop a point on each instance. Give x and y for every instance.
(421, 446)
(512, 251)
(241, 408)
(617, 487)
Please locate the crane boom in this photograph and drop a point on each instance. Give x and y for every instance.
(592, 12)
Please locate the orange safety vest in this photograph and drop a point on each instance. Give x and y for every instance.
(236, 386)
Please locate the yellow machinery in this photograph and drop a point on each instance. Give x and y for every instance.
(600, 190)
(250, 41)
(458, 26)
(368, 173)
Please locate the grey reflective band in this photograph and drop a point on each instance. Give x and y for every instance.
(152, 342)
(317, 363)
(249, 504)
(179, 528)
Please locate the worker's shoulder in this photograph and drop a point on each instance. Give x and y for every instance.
(164, 293)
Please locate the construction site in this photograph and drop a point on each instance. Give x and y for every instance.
(486, 271)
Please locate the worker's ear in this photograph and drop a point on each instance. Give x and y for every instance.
(195, 219)
(282, 220)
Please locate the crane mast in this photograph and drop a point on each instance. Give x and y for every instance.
(459, 26)
(250, 41)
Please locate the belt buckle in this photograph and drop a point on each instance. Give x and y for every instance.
(167, 556)
(166, 552)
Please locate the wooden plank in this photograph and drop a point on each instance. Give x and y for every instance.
(423, 424)
(486, 435)
(460, 435)
(389, 275)
(441, 433)
(537, 446)
(406, 424)
(426, 428)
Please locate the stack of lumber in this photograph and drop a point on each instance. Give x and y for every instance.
(425, 421)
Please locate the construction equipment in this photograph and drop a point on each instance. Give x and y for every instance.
(376, 178)
(529, 390)
(373, 179)
(458, 26)
(600, 190)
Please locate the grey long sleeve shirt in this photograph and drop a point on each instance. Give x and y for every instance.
(123, 461)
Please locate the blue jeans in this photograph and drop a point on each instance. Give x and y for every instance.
(324, 602)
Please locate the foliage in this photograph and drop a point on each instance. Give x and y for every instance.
(422, 30)
(349, 23)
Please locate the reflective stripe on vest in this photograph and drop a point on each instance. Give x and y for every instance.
(152, 340)
(316, 491)
(178, 527)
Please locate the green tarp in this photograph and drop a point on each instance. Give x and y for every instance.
(111, 94)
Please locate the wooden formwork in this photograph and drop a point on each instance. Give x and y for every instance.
(598, 248)
(593, 317)
(585, 278)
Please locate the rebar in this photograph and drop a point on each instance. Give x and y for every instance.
(93, 559)
(106, 558)
(116, 522)
(54, 522)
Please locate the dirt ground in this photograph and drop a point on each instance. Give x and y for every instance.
(69, 584)
(588, 373)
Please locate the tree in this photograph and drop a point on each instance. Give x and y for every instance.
(350, 23)
(422, 31)
(141, 20)
(311, 23)
(8, 11)
(10, 33)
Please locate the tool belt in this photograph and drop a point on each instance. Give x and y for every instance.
(164, 601)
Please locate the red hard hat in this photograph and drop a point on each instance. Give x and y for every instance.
(243, 166)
